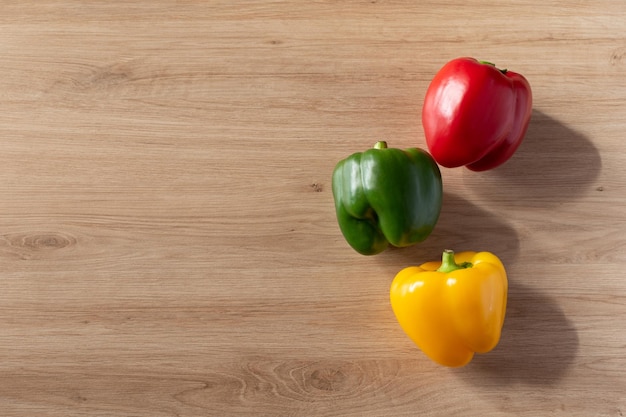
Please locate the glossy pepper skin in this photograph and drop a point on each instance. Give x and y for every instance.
(454, 308)
(475, 115)
(386, 196)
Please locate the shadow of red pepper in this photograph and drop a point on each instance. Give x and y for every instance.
(553, 164)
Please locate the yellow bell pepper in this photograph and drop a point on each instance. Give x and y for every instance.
(454, 308)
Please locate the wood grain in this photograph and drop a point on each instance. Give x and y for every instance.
(167, 234)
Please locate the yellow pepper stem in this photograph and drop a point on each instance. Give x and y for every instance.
(448, 263)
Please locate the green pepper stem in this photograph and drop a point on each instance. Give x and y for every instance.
(448, 263)
(381, 144)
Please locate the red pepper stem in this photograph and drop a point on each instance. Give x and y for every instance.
(448, 264)
(381, 144)
(503, 71)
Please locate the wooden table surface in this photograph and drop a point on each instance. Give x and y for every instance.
(168, 241)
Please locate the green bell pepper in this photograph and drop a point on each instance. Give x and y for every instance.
(386, 196)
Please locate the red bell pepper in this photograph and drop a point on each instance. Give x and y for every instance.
(475, 115)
